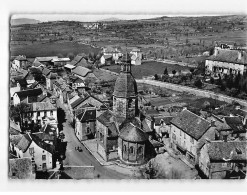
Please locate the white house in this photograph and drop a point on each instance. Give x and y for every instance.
(28, 145)
(225, 61)
(188, 130)
(27, 96)
(19, 62)
(219, 158)
(136, 58)
(42, 110)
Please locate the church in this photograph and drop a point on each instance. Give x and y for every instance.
(121, 134)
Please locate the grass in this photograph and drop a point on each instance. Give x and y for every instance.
(148, 69)
(51, 49)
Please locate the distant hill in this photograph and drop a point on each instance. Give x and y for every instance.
(21, 21)
(109, 19)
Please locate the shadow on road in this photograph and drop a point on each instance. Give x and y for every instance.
(61, 118)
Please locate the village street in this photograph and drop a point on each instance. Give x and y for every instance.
(84, 158)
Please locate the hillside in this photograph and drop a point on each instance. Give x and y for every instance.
(21, 21)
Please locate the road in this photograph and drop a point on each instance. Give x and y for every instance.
(84, 158)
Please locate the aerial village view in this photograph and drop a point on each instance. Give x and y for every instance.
(155, 98)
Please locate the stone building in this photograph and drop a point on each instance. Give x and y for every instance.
(121, 133)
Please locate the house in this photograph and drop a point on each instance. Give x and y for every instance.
(225, 61)
(27, 96)
(60, 62)
(59, 89)
(98, 104)
(14, 129)
(83, 73)
(162, 125)
(45, 60)
(85, 122)
(29, 145)
(50, 79)
(22, 168)
(79, 60)
(238, 130)
(16, 85)
(114, 52)
(107, 136)
(40, 110)
(222, 160)
(69, 67)
(19, 62)
(136, 58)
(188, 130)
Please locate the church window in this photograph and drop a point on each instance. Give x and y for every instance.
(139, 151)
(125, 148)
(131, 150)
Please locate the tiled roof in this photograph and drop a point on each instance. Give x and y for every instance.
(191, 124)
(21, 81)
(152, 112)
(156, 144)
(220, 150)
(166, 119)
(29, 93)
(70, 66)
(107, 119)
(14, 129)
(81, 71)
(46, 71)
(34, 85)
(82, 63)
(44, 136)
(22, 142)
(133, 133)
(87, 114)
(229, 56)
(48, 147)
(40, 106)
(20, 168)
(236, 124)
(41, 97)
(125, 86)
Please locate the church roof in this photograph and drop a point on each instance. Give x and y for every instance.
(132, 133)
(125, 86)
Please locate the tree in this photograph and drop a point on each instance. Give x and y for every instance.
(156, 77)
(198, 83)
(166, 71)
(17, 112)
(192, 70)
(174, 72)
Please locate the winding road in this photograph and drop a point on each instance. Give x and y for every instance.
(84, 158)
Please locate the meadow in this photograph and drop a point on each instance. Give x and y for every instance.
(63, 49)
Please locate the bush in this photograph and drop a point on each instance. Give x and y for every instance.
(198, 83)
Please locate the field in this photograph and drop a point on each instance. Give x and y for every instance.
(51, 49)
(149, 69)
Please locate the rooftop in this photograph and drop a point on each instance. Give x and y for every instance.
(40, 106)
(81, 71)
(226, 55)
(191, 124)
(224, 151)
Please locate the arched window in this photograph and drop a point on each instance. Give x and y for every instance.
(125, 148)
(131, 150)
(140, 150)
